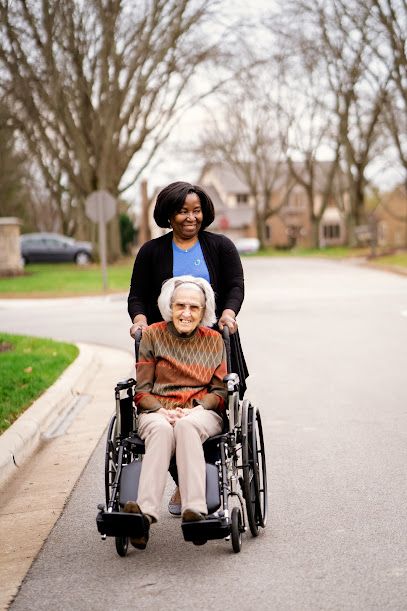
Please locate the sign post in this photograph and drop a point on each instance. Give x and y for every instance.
(100, 207)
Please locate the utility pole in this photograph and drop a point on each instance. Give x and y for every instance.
(144, 232)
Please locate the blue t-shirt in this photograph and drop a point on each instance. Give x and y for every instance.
(190, 263)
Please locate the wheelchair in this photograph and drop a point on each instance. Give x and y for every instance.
(235, 471)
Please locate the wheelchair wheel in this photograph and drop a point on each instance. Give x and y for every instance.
(110, 459)
(254, 468)
(260, 473)
(122, 544)
(236, 529)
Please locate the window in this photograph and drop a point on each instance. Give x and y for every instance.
(33, 242)
(332, 232)
(297, 200)
(242, 198)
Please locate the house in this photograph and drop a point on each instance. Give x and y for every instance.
(232, 201)
(391, 217)
(290, 224)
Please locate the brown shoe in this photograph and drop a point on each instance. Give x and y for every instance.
(189, 515)
(141, 542)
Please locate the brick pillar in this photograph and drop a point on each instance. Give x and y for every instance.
(10, 252)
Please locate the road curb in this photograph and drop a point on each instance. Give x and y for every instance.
(19, 442)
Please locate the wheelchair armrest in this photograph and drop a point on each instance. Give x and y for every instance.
(232, 381)
(125, 383)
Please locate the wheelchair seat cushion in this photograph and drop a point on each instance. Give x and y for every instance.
(130, 479)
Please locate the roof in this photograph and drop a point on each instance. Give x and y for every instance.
(230, 177)
(225, 217)
(233, 181)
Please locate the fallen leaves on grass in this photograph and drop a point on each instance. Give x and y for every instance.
(5, 346)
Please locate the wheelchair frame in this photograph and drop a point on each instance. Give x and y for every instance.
(240, 469)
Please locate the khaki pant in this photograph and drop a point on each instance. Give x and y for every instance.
(162, 440)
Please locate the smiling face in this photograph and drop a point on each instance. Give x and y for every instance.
(188, 220)
(187, 309)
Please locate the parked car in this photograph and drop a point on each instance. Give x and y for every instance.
(247, 245)
(53, 248)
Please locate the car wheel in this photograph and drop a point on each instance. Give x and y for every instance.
(82, 258)
(23, 261)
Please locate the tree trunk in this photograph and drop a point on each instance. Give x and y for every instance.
(351, 225)
(259, 226)
(144, 233)
(315, 232)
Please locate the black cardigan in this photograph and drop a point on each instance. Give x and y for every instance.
(154, 265)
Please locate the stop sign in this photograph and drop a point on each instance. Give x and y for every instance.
(100, 207)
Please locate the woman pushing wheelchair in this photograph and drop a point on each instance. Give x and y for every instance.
(180, 397)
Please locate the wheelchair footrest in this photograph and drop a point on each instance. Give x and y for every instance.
(206, 530)
(119, 524)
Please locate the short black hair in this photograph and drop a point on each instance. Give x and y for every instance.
(171, 199)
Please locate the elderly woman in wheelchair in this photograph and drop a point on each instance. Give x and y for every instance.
(187, 404)
(180, 396)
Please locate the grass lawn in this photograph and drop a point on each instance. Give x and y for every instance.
(339, 252)
(28, 367)
(64, 279)
(399, 259)
(334, 252)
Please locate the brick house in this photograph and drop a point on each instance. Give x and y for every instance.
(391, 217)
(291, 224)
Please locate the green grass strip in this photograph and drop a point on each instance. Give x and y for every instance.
(65, 279)
(28, 366)
(334, 252)
(399, 260)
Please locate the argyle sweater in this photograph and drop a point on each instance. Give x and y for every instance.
(176, 370)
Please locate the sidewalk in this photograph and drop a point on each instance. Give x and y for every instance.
(51, 444)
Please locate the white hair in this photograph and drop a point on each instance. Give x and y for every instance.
(200, 285)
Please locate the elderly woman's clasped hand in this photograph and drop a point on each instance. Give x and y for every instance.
(173, 415)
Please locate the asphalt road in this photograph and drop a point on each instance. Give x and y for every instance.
(326, 344)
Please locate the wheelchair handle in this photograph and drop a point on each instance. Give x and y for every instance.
(226, 340)
(137, 340)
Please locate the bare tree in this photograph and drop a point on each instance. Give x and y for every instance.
(14, 197)
(344, 97)
(308, 118)
(306, 172)
(392, 17)
(96, 87)
(362, 135)
(392, 35)
(246, 138)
